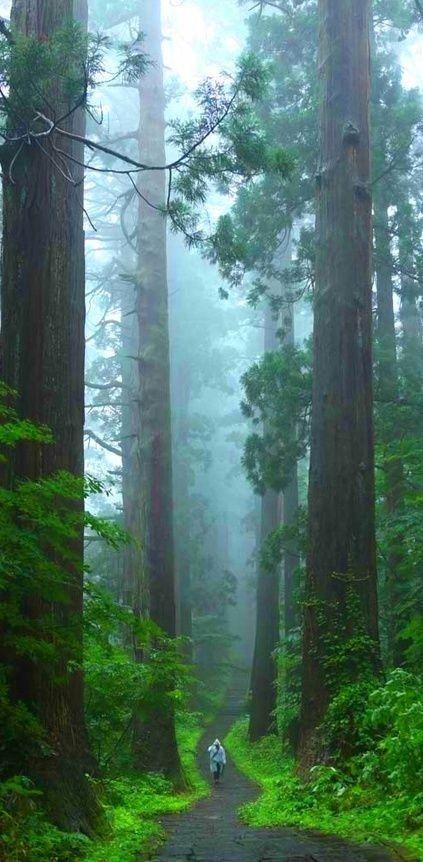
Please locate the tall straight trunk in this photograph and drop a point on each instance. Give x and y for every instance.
(155, 746)
(264, 670)
(43, 313)
(291, 559)
(387, 391)
(133, 580)
(410, 312)
(182, 500)
(291, 556)
(341, 591)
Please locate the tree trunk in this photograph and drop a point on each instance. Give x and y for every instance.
(264, 670)
(410, 313)
(155, 745)
(43, 313)
(341, 593)
(182, 501)
(134, 590)
(387, 393)
(291, 560)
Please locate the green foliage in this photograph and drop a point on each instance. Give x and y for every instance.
(277, 398)
(31, 68)
(394, 724)
(347, 651)
(283, 539)
(25, 833)
(117, 687)
(41, 523)
(224, 145)
(368, 797)
(134, 803)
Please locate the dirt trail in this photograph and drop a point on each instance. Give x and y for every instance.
(212, 831)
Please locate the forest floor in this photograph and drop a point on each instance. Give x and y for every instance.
(213, 832)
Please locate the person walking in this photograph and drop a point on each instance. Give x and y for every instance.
(217, 760)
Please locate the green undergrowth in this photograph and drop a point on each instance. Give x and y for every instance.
(135, 804)
(133, 807)
(329, 803)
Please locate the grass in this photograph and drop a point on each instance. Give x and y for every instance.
(135, 804)
(353, 812)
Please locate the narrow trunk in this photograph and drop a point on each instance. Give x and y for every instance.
(133, 580)
(341, 595)
(155, 747)
(410, 312)
(264, 671)
(182, 498)
(291, 557)
(290, 495)
(43, 312)
(387, 394)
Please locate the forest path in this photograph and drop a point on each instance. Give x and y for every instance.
(212, 831)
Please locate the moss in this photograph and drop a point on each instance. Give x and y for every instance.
(136, 803)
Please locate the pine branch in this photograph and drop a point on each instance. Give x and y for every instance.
(104, 445)
(115, 384)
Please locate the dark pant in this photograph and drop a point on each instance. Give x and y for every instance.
(217, 772)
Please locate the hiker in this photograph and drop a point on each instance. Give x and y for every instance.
(217, 760)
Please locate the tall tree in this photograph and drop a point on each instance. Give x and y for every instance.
(43, 312)
(264, 670)
(155, 746)
(275, 510)
(396, 113)
(341, 596)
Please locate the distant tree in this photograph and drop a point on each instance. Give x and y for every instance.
(340, 605)
(397, 113)
(264, 670)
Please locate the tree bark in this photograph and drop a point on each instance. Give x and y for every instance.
(291, 559)
(134, 589)
(410, 313)
(43, 314)
(387, 393)
(341, 563)
(264, 670)
(155, 746)
(182, 501)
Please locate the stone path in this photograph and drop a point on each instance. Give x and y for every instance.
(212, 832)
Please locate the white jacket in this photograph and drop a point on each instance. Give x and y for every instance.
(217, 756)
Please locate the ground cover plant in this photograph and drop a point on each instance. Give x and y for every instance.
(372, 794)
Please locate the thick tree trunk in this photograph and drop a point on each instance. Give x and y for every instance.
(155, 745)
(264, 670)
(43, 312)
(341, 594)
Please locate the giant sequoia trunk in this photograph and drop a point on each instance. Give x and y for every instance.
(264, 670)
(155, 745)
(43, 313)
(341, 596)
